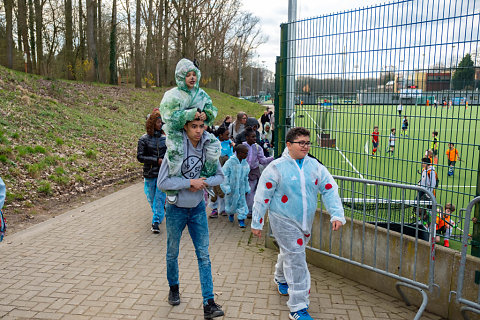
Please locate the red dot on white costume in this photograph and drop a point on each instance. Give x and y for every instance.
(284, 199)
(328, 186)
(266, 200)
(316, 182)
(299, 241)
(269, 185)
(261, 220)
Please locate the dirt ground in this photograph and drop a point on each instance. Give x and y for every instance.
(49, 209)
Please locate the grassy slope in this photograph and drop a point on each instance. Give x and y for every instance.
(60, 138)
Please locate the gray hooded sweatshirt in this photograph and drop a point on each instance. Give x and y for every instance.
(193, 161)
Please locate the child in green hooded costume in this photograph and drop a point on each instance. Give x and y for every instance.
(185, 103)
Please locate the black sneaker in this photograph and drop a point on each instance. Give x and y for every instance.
(155, 227)
(212, 310)
(174, 296)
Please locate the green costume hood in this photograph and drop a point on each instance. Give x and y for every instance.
(184, 66)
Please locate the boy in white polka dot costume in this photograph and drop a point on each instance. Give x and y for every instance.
(288, 188)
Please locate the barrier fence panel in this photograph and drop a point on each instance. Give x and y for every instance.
(467, 277)
(417, 61)
(375, 206)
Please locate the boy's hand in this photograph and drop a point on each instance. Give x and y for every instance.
(160, 160)
(202, 116)
(257, 232)
(197, 184)
(335, 225)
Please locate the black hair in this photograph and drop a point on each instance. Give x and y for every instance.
(240, 146)
(426, 160)
(296, 132)
(221, 130)
(249, 131)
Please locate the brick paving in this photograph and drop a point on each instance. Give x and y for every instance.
(101, 261)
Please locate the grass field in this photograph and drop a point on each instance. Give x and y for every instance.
(352, 125)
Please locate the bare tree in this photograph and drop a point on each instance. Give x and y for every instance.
(100, 41)
(22, 18)
(138, 76)
(9, 18)
(91, 32)
(31, 27)
(113, 45)
(130, 37)
(39, 34)
(81, 46)
(149, 50)
(69, 60)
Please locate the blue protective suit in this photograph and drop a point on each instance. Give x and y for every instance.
(3, 193)
(235, 186)
(289, 190)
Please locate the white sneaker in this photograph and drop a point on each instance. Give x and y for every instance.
(172, 199)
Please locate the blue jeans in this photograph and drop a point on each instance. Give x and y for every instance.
(196, 220)
(156, 199)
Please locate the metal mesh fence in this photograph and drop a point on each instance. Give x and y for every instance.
(410, 68)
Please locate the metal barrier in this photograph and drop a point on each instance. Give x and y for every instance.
(365, 201)
(469, 304)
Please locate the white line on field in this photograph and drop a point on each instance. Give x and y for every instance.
(447, 186)
(346, 159)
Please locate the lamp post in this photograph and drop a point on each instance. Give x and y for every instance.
(451, 69)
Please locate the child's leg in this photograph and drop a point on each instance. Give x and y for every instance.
(448, 233)
(292, 261)
(158, 205)
(242, 209)
(213, 149)
(221, 205)
(251, 195)
(174, 154)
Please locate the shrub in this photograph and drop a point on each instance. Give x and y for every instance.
(91, 154)
(45, 187)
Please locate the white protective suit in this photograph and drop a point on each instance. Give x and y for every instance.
(290, 192)
(235, 186)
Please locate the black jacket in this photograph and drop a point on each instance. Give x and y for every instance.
(149, 150)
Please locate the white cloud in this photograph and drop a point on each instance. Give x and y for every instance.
(274, 12)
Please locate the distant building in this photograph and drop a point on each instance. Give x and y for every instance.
(433, 80)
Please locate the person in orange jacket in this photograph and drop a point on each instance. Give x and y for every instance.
(444, 224)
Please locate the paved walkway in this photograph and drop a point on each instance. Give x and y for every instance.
(101, 261)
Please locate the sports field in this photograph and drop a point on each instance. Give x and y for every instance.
(351, 127)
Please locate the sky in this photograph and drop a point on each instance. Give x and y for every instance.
(274, 12)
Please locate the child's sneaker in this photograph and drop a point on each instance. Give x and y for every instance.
(446, 243)
(155, 227)
(172, 199)
(214, 214)
(231, 217)
(282, 287)
(241, 223)
(300, 315)
(212, 310)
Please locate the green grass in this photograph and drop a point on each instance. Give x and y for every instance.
(91, 129)
(352, 125)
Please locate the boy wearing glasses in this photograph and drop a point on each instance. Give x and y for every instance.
(288, 188)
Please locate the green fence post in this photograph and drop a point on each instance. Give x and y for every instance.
(280, 93)
(476, 228)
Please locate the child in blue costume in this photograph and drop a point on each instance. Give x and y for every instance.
(236, 185)
(288, 188)
(185, 103)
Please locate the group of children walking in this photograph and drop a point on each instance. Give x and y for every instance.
(183, 161)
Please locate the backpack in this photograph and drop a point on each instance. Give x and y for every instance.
(3, 225)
